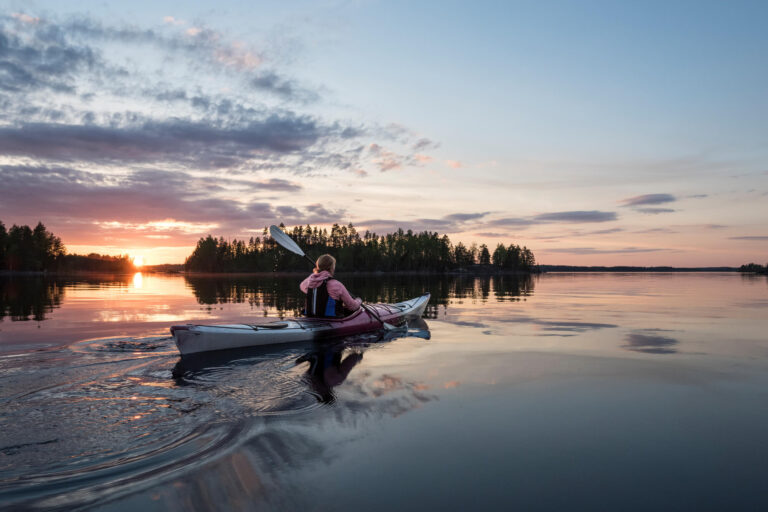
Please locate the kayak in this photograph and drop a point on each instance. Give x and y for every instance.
(191, 339)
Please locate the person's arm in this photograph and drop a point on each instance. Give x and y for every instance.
(304, 286)
(339, 292)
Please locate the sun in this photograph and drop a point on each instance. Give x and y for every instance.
(138, 261)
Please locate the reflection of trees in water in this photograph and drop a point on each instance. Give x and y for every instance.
(283, 294)
(29, 299)
(34, 297)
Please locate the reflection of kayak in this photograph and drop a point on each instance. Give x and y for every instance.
(203, 338)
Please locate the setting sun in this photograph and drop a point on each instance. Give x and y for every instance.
(138, 261)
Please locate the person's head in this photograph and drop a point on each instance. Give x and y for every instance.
(326, 262)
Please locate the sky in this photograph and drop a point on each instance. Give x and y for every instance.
(592, 132)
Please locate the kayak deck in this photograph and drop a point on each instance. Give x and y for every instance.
(191, 338)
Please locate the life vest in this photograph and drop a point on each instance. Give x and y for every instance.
(321, 305)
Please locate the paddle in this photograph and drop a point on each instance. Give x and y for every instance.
(279, 236)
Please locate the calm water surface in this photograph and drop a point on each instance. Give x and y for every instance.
(561, 392)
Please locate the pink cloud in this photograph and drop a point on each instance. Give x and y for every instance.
(455, 164)
(170, 20)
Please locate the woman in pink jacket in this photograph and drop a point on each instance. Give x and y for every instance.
(327, 297)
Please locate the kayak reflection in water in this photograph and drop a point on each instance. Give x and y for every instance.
(326, 296)
(327, 369)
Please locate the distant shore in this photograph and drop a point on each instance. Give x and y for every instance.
(570, 268)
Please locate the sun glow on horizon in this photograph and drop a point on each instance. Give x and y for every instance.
(138, 261)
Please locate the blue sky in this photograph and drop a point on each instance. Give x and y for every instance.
(592, 132)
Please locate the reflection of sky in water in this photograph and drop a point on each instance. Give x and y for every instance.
(592, 385)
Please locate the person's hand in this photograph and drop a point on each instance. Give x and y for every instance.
(315, 270)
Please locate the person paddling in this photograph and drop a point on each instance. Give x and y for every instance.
(326, 296)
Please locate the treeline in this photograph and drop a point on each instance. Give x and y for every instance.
(399, 251)
(754, 268)
(23, 249)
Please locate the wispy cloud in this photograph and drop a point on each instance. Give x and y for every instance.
(648, 199)
(567, 217)
(283, 87)
(576, 216)
(492, 234)
(462, 217)
(450, 223)
(594, 250)
(760, 238)
(654, 211)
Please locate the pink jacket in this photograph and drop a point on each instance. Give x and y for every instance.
(336, 290)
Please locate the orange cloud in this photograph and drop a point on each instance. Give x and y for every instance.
(454, 164)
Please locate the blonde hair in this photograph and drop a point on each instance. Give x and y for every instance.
(326, 262)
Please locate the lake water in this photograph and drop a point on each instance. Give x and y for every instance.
(559, 392)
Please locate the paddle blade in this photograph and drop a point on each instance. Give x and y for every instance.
(281, 238)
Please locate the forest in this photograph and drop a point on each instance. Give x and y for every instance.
(400, 251)
(23, 249)
(754, 268)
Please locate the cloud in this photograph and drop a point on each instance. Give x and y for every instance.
(271, 82)
(202, 143)
(288, 211)
(424, 144)
(450, 223)
(569, 217)
(516, 222)
(97, 138)
(491, 234)
(41, 62)
(604, 231)
(755, 237)
(648, 199)
(319, 214)
(593, 250)
(656, 230)
(211, 126)
(654, 211)
(576, 216)
(279, 184)
(463, 217)
(454, 164)
(147, 201)
(138, 197)
(385, 160)
(25, 18)
(170, 20)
